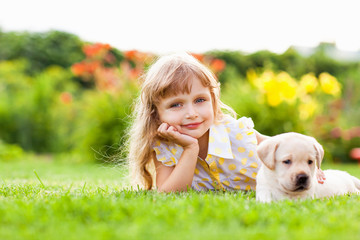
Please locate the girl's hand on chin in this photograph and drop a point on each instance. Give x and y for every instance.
(173, 135)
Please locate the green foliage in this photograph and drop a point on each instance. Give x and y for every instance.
(29, 106)
(41, 49)
(101, 125)
(61, 95)
(10, 152)
(89, 202)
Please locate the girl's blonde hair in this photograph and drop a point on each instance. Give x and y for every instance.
(169, 75)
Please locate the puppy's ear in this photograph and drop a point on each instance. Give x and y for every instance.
(319, 152)
(266, 152)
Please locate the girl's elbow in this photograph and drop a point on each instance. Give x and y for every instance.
(164, 189)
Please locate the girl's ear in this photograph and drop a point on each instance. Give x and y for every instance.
(266, 152)
(319, 152)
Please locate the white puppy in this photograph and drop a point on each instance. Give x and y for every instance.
(290, 162)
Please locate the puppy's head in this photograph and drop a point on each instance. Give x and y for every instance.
(292, 157)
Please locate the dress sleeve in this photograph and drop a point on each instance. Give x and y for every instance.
(244, 130)
(167, 154)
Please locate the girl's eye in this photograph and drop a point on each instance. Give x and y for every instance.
(310, 162)
(174, 105)
(287, 162)
(200, 100)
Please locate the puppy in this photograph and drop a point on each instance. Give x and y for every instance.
(290, 162)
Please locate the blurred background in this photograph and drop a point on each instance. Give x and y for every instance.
(69, 70)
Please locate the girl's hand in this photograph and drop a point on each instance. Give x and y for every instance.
(320, 175)
(172, 134)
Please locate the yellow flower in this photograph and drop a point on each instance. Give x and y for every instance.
(308, 83)
(279, 88)
(329, 84)
(307, 108)
(273, 99)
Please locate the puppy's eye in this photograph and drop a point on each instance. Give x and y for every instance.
(287, 161)
(310, 162)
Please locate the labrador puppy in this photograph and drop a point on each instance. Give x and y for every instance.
(290, 162)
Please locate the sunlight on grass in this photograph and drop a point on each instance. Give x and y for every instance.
(84, 201)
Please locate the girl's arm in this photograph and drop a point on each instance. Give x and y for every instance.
(260, 137)
(179, 177)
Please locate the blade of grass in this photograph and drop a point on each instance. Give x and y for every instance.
(42, 184)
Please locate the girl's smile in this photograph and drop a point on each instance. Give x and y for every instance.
(192, 125)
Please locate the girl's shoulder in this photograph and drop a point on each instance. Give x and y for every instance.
(241, 123)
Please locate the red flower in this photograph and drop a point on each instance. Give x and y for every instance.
(355, 153)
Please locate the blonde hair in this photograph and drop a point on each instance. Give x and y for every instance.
(169, 75)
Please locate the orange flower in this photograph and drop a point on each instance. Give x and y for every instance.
(83, 67)
(78, 68)
(131, 54)
(92, 50)
(199, 57)
(217, 65)
(66, 97)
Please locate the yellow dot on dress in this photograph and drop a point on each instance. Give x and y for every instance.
(214, 130)
(243, 171)
(248, 187)
(173, 159)
(241, 149)
(197, 171)
(251, 153)
(241, 125)
(205, 179)
(253, 175)
(211, 139)
(169, 163)
(218, 150)
(232, 167)
(202, 184)
(228, 130)
(237, 187)
(224, 139)
(243, 161)
(221, 161)
(173, 151)
(226, 183)
(239, 136)
(237, 179)
(157, 151)
(247, 179)
(162, 159)
(157, 143)
(254, 165)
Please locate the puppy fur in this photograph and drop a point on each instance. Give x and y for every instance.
(290, 162)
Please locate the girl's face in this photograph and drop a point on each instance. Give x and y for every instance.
(190, 113)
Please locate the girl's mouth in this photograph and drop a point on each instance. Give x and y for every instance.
(192, 125)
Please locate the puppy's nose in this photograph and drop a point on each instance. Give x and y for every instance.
(301, 179)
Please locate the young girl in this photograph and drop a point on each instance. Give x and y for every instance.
(181, 137)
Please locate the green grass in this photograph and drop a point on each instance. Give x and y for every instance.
(83, 201)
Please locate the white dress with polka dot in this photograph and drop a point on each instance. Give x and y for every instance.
(231, 162)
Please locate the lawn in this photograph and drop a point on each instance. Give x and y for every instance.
(56, 200)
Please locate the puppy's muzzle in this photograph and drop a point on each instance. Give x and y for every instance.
(301, 182)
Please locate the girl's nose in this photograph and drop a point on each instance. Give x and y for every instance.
(191, 112)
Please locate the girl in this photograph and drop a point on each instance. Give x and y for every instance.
(181, 136)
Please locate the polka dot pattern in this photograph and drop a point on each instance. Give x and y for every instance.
(231, 162)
